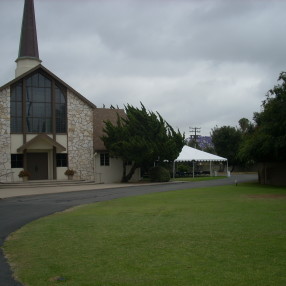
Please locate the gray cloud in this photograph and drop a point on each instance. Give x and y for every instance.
(201, 63)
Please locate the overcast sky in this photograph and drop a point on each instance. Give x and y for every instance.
(198, 63)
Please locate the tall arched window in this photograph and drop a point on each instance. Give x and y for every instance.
(16, 108)
(61, 111)
(38, 105)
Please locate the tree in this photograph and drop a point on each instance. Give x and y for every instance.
(267, 143)
(245, 125)
(142, 138)
(226, 140)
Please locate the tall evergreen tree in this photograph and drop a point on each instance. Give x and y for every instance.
(267, 142)
(142, 138)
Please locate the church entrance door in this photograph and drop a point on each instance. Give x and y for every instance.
(37, 165)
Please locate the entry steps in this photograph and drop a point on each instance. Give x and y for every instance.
(46, 183)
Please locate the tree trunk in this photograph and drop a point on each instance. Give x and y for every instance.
(127, 177)
(124, 172)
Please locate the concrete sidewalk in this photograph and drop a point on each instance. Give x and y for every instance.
(41, 190)
(16, 192)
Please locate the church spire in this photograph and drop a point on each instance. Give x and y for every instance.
(28, 50)
(28, 42)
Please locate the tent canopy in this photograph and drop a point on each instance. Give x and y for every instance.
(192, 154)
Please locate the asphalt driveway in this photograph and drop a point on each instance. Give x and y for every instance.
(18, 211)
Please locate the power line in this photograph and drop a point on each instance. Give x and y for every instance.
(196, 131)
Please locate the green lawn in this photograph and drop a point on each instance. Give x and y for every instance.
(220, 236)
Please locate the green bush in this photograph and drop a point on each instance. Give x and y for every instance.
(183, 168)
(159, 174)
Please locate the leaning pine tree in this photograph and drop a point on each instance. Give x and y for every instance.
(141, 138)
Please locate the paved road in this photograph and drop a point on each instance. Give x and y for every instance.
(18, 211)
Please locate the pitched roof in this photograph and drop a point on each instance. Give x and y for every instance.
(28, 41)
(41, 67)
(101, 115)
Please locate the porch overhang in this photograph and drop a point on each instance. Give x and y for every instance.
(42, 138)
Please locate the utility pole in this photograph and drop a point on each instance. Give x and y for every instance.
(196, 131)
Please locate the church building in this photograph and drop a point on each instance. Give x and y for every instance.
(46, 126)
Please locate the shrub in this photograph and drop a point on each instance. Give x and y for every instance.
(159, 174)
(183, 168)
(24, 173)
(69, 172)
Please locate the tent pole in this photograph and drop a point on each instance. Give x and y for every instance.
(210, 168)
(227, 168)
(193, 169)
(174, 170)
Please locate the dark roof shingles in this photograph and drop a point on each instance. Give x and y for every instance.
(100, 116)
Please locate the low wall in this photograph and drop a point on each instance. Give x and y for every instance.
(272, 173)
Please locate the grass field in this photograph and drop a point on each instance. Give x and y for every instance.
(220, 236)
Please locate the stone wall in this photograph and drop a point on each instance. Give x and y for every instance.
(80, 137)
(5, 140)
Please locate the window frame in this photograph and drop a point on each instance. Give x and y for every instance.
(61, 160)
(16, 100)
(52, 120)
(104, 159)
(17, 161)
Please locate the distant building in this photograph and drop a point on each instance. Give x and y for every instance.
(205, 141)
(202, 142)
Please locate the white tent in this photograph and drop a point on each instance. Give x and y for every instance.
(195, 155)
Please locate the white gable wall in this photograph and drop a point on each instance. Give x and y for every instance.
(113, 172)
